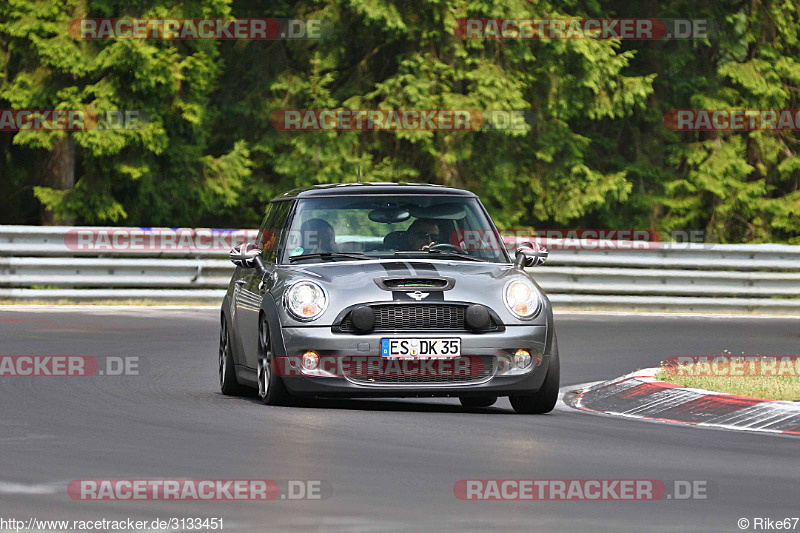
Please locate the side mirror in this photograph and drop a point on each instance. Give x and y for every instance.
(247, 256)
(530, 255)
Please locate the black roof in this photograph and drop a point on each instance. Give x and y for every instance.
(350, 189)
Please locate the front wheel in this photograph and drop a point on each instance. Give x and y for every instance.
(542, 401)
(271, 389)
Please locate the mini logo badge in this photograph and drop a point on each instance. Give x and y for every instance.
(419, 295)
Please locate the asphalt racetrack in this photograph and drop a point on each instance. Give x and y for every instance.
(392, 464)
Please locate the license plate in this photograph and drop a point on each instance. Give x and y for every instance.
(421, 348)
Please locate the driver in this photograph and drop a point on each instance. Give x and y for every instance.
(318, 236)
(422, 234)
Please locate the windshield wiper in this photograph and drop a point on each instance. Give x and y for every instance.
(440, 252)
(328, 255)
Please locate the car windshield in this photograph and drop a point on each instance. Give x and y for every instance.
(380, 226)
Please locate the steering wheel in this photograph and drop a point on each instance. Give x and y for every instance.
(445, 247)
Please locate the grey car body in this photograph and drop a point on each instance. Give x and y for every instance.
(258, 332)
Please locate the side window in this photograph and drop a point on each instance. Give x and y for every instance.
(269, 235)
(264, 224)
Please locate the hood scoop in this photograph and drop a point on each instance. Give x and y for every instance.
(415, 283)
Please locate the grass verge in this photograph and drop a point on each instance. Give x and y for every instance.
(764, 387)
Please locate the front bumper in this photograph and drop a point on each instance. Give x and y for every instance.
(497, 349)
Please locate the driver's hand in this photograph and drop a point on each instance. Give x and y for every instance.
(427, 246)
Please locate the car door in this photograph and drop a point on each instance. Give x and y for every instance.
(250, 289)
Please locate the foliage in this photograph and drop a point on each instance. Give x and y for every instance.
(595, 152)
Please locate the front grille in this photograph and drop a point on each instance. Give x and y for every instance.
(476, 374)
(416, 317)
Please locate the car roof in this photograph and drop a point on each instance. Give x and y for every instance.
(350, 189)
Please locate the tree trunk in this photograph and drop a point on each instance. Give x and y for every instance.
(56, 170)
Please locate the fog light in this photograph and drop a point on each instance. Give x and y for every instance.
(310, 360)
(522, 358)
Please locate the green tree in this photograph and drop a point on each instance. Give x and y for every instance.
(742, 186)
(401, 55)
(161, 173)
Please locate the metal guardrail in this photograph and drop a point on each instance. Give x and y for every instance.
(48, 263)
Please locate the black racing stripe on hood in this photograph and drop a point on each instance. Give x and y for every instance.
(424, 268)
(396, 268)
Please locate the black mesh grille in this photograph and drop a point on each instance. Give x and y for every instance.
(416, 317)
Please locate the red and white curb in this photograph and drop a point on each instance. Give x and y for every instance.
(639, 395)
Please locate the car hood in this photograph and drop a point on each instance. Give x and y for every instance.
(350, 283)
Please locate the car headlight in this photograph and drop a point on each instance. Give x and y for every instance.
(305, 300)
(522, 298)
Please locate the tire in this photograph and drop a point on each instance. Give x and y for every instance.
(271, 388)
(477, 401)
(227, 373)
(544, 400)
